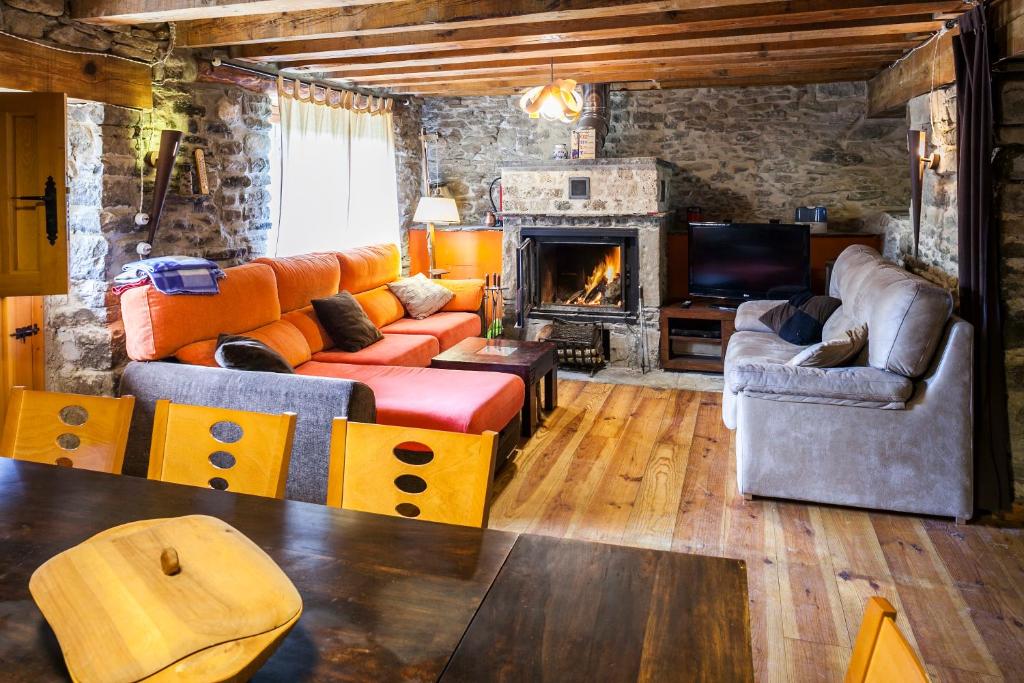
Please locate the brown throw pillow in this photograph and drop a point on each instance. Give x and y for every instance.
(346, 322)
(835, 352)
(420, 296)
(238, 352)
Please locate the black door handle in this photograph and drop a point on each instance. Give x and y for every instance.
(49, 200)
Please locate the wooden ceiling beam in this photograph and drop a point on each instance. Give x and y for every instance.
(417, 15)
(499, 89)
(98, 78)
(928, 67)
(124, 12)
(765, 16)
(722, 40)
(654, 71)
(885, 54)
(931, 66)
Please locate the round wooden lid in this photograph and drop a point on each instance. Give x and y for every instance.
(137, 598)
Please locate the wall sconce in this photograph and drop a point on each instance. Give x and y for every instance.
(918, 163)
(163, 160)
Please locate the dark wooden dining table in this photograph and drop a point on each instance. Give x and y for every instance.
(390, 599)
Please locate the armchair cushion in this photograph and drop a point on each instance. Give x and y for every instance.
(448, 328)
(863, 385)
(420, 297)
(748, 315)
(469, 294)
(833, 353)
(238, 352)
(799, 320)
(346, 322)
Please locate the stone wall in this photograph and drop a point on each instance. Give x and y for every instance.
(85, 343)
(47, 21)
(935, 114)
(1009, 190)
(408, 121)
(742, 153)
(106, 145)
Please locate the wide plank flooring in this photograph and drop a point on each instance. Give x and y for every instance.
(655, 468)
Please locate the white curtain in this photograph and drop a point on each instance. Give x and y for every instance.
(337, 179)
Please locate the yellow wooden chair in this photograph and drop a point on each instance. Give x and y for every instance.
(222, 449)
(421, 473)
(881, 653)
(71, 430)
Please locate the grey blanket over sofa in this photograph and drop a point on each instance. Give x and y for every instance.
(315, 400)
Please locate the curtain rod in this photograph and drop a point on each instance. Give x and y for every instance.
(217, 61)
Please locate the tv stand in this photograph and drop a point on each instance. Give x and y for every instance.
(696, 337)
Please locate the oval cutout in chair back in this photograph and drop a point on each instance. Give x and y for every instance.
(410, 483)
(413, 453)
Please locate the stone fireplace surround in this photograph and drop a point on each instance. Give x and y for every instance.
(626, 195)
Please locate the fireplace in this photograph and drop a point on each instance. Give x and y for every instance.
(568, 260)
(579, 273)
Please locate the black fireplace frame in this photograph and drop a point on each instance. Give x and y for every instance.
(528, 272)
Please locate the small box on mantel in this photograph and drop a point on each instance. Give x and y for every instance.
(586, 143)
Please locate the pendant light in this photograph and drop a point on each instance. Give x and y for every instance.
(556, 101)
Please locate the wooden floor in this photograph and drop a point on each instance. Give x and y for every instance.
(655, 468)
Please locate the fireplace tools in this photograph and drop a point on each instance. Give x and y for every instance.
(643, 334)
(492, 305)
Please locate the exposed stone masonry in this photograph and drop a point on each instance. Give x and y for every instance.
(935, 114)
(85, 343)
(408, 119)
(742, 153)
(47, 21)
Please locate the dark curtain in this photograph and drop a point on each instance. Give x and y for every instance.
(979, 260)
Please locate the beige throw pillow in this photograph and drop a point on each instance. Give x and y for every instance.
(420, 296)
(833, 353)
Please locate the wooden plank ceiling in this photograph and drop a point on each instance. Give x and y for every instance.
(471, 47)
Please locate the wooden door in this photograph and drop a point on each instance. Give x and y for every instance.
(24, 362)
(33, 194)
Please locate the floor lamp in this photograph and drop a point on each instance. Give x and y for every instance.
(435, 210)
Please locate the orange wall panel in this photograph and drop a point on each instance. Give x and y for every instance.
(466, 254)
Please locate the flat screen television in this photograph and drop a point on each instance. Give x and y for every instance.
(749, 260)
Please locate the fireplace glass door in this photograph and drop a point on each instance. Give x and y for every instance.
(580, 275)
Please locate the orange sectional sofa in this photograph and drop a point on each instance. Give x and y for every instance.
(269, 299)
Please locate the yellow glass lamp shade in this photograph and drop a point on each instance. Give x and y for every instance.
(557, 101)
(436, 210)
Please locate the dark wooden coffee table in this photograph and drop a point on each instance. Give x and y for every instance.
(531, 361)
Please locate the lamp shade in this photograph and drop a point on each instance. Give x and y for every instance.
(436, 210)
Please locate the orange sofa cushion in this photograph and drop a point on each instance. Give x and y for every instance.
(453, 400)
(199, 353)
(365, 268)
(381, 306)
(281, 336)
(410, 350)
(301, 279)
(157, 325)
(284, 338)
(448, 328)
(308, 324)
(468, 294)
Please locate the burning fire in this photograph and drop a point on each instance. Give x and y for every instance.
(602, 283)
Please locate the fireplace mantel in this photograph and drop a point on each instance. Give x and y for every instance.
(635, 186)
